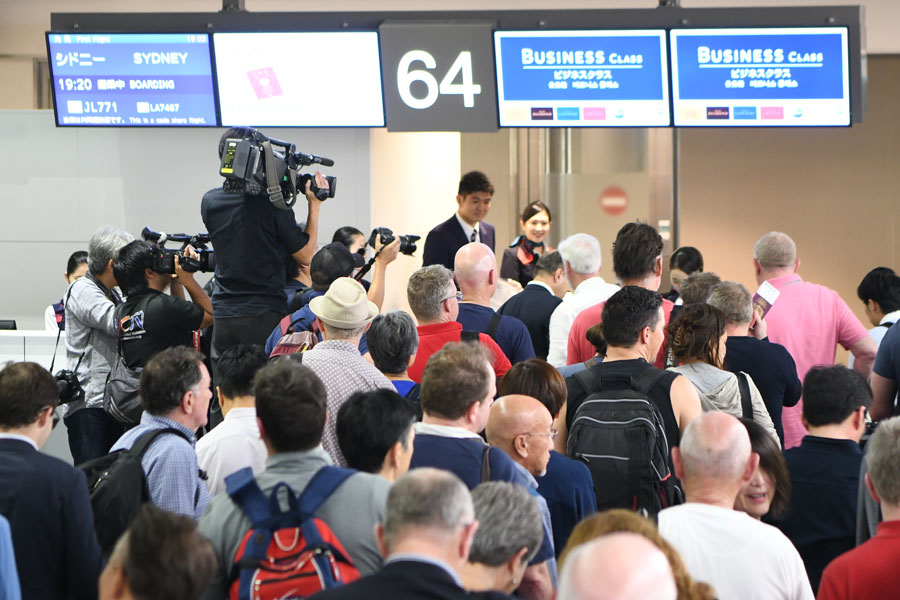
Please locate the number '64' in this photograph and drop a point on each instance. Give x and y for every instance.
(461, 67)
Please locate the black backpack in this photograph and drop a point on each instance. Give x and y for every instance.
(619, 434)
(118, 488)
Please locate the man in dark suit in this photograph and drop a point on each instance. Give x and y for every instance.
(467, 225)
(44, 499)
(428, 527)
(534, 305)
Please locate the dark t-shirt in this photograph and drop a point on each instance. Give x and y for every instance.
(821, 520)
(153, 321)
(512, 336)
(887, 361)
(251, 238)
(569, 491)
(772, 369)
(659, 394)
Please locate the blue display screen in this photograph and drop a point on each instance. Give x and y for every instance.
(135, 79)
(761, 77)
(582, 78)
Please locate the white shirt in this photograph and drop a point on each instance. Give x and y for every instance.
(588, 293)
(230, 447)
(468, 229)
(736, 554)
(877, 333)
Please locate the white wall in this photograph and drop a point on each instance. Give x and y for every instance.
(58, 185)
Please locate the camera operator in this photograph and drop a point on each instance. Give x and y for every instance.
(251, 237)
(150, 320)
(91, 346)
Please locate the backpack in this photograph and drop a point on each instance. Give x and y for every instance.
(121, 395)
(619, 434)
(293, 341)
(118, 488)
(287, 554)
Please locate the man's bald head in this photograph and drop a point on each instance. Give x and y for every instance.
(715, 446)
(775, 250)
(522, 427)
(473, 265)
(513, 415)
(618, 566)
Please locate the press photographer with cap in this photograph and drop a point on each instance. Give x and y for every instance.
(251, 238)
(343, 314)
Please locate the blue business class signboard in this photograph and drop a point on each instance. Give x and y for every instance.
(135, 79)
(761, 77)
(582, 78)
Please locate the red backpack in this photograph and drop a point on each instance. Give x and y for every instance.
(287, 554)
(293, 341)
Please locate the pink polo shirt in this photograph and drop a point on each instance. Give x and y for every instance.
(809, 320)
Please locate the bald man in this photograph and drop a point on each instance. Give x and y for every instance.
(736, 554)
(618, 566)
(811, 336)
(523, 428)
(475, 269)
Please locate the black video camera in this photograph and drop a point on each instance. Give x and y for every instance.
(407, 242)
(264, 170)
(69, 388)
(164, 258)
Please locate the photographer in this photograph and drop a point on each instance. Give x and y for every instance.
(150, 320)
(91, 346)
(251, 237)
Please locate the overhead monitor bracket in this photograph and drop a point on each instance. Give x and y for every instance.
(240, 6)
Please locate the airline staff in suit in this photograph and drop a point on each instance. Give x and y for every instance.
(466, 226)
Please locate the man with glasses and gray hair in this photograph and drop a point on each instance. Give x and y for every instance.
(428, 527)
(748, 350)
(91, 346)
(434, 301)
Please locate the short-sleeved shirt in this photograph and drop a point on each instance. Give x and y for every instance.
(580, 350)
(810, 321)
(433, 337)
(772, 369)
(152, 321)
(887, 361)
(251, 239)
(512, 336)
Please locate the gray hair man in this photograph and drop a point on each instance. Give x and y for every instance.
(617, 566)
(870, 569)
(769, 364)
(508, 536)
(582, 259)
(716, 542)
(811, 336)
(428, 527)
(91, 346)
(434, 301)
(393, 342)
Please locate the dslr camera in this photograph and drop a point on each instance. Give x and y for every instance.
(69, 388)
(164, 258)
(263, 169)
(386, 236)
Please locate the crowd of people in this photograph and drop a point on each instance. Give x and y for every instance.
(585, 440)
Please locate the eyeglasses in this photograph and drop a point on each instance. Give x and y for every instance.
(552, 434)
(457, 295)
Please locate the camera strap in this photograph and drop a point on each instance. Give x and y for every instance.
(273, 186)
(56, 346)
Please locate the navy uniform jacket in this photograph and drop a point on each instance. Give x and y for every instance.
(46, 503)
(445, 239)
(533, 306)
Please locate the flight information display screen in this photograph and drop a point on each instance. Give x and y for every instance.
(312, 79)
(582, 78)
(761, 77)
(132, 79)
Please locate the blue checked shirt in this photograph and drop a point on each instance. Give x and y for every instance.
(170, 465)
